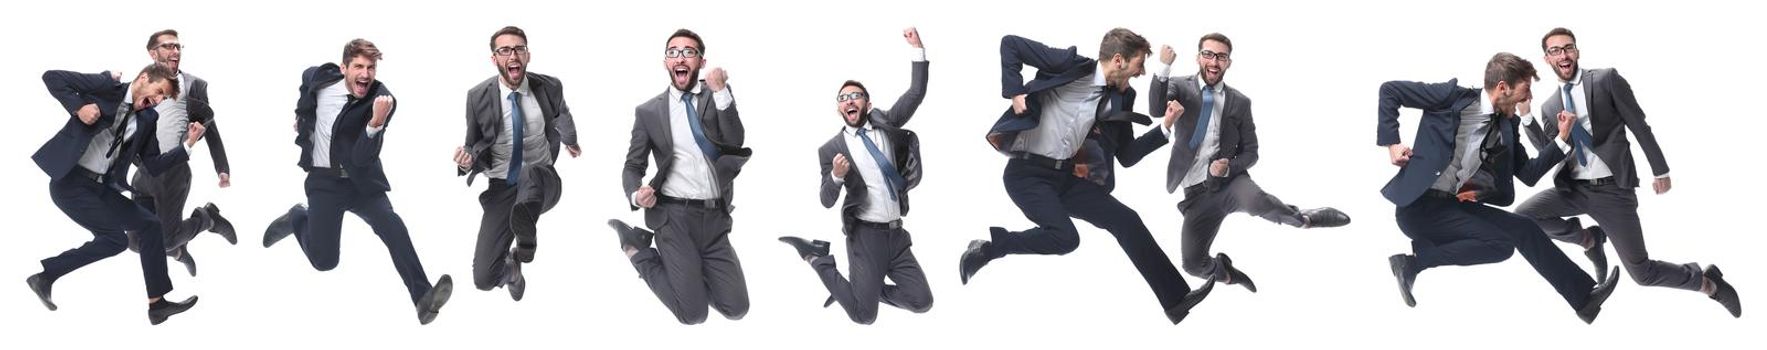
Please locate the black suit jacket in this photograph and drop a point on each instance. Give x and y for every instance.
(1612, 110)
(1238, 138)
(1112, 134)
(484, 119)
(651, 133)
(62, 153)
(352, 148)
(904, 150)
(1433, 149)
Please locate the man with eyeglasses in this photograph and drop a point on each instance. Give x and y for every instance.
(110, 126)
(1449, 189)
(1062, 132)
(1600, 178)
(877, 162)
(696, 136)
(341, 121)
(1215, 142)
(165, 194)
(515, 122)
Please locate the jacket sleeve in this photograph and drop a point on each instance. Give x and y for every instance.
(830, 190)
(1633, 116)
(1017, 52)
(1409, 94)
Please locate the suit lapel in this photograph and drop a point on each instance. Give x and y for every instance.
(665, 134)
(1588, 103)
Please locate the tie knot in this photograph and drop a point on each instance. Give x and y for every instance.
(514, 95)
(686, 96)
(1568, 86)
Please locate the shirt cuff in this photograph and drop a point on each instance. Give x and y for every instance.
(375, 132)
(1663, 176)
(722, 99)
(918, 54)
(837, 180)
(1561, 144)
(632, 198)
(1165, 71)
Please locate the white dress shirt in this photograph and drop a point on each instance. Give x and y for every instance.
(691, 175)
(878, 206)
(1067, 115)
(534, 146)
(331, 104)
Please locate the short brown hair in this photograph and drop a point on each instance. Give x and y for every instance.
(1216, 37)
(1507, 67)
(1120, 41)
(1556, 32)
(855, 83)
(360, 48)
(510, 30)
(684, 33)
(157, 72)
(154, 40)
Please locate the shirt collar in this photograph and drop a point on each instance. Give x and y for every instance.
(1203, 83)
(1576, 79)
(675, 94)
(1485, 106)
(853, 132)
(1098, 78)
(504, 88)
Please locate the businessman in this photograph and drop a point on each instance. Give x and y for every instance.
(1601, 179)
(111, 125)
(696, 136)
(876, 162)
(1216, 143)
(1061, 133)
(340, 121)
(515, 122)
(165, 194)
(1450, 186)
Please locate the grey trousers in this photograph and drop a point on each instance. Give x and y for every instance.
(1204, 210)
(873, 254)
(165, 195)
(693, 264)
(1616, 210)
(540, 189)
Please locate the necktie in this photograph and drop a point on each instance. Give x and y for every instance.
(892, 177)
(699, 134)
(337, 153)
(1580, 137)
(1202, 121)
(517, 123)
(117, 132)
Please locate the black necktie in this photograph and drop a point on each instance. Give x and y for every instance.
(117, 133)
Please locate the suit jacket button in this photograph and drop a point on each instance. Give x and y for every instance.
(1438, 173)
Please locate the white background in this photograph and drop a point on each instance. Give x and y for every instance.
(1312, 69)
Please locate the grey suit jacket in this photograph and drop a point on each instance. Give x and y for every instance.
(484, 119)
(651, 133)
(1238, 135)
(905, 153)
(1612, 110)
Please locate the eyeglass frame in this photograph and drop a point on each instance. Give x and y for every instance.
(1215, 56)
(851, 96)
(681, 52)
(1562, 50)
(510, 51)
(169, 46)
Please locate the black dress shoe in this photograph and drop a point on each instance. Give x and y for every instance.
(283, 226)
(522, 221)
(431, 302)
(1232, 275)
(159, 311)
(807, 249)
(183, 256)
(1325, 217)
(973, 259)
(40, 287)
(1182, 310)
(1405, 270)
(220, 225)
(518, 284)
(1592, 304)
(632, 237)
(1725, 293)
(1598, 253)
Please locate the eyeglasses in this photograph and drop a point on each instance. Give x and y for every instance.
(678, 52)
(171, 46)
(507, 51)
(1562, 50)
(1215, 56)
(849, 96)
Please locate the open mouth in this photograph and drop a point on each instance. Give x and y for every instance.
(682, 75)
(852, 113)
(360, 86)
(514, 70)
